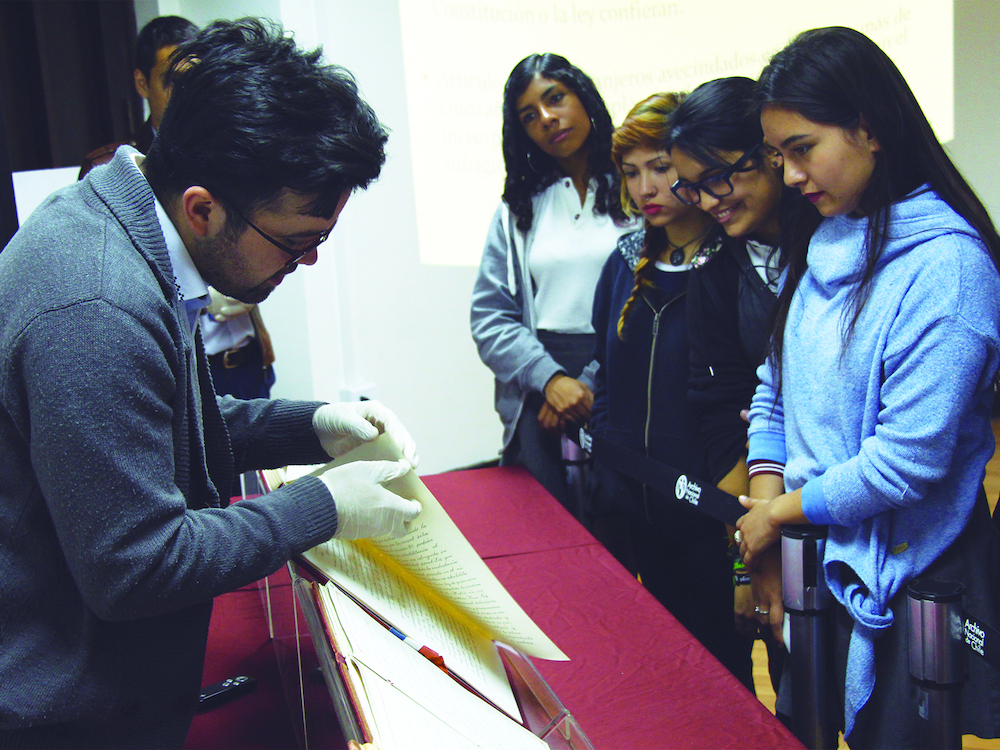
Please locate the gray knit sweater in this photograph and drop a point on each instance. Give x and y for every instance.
(113, 540)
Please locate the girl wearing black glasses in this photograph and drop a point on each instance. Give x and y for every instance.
(716, 144)
(558, 222)
(874, 406)
(640, 400)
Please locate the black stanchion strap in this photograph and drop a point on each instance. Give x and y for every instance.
(981, 639)
(676, 485)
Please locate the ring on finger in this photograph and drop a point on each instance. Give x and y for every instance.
(738, 537)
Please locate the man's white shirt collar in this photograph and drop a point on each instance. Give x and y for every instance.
(190, 285)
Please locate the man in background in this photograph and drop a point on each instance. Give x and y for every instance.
(153, 46)
(115, 455)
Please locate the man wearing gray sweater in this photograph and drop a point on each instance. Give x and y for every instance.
(114, 535)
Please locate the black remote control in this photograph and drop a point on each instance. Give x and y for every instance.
(224, 692)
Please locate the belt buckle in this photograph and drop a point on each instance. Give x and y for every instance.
(225, 359)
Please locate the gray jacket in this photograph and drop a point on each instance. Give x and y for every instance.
(503, 321)
(113, 535)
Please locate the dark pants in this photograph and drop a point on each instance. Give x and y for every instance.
(540, 452)
(249, 380)
(682, 559)
(890, 717)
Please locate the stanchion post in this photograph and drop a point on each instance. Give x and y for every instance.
(806, 599)
(937, 659)
(577, 464)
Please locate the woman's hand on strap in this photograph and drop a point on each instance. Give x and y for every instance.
(569, 398)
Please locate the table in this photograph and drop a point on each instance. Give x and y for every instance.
(636, 678)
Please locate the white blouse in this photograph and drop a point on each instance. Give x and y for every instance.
(569, 246)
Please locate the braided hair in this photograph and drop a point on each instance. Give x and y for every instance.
(646, 126)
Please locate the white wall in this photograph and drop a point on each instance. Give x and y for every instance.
(975, 147)
(370, 313)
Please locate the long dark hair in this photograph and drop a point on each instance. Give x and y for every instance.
(838, 76)
(529, 169)
(717, 116)
(720, 116)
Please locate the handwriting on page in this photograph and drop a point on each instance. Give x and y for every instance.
(391, 596)
(436, 555)
(443, 572)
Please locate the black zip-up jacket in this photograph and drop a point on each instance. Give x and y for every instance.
(729, 315)
(640, 398)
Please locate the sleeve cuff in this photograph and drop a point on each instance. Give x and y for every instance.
(589, 375)
(542, 373)
(813, 505)
(755, 468)
(767, 446)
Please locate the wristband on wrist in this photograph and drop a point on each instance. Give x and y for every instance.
(762, 466)
(740, 575)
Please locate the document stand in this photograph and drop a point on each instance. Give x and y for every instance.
(322, 710)
(316, 721)
(542, 711)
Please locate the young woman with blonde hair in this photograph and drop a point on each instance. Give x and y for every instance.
(640, 398)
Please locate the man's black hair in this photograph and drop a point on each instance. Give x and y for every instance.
(164, 31)
(251, 114)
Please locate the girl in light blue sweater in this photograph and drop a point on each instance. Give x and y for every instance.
(872, 416)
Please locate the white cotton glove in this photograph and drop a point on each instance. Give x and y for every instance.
(365, 508)
(223, 308)
(341, 427)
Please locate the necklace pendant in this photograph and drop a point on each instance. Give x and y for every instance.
(677, 257)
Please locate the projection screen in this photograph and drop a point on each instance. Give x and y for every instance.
(458, 53)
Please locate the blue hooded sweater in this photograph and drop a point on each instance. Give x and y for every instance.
(887, 430)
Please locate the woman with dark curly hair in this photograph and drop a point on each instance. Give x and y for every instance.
(559, 220)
